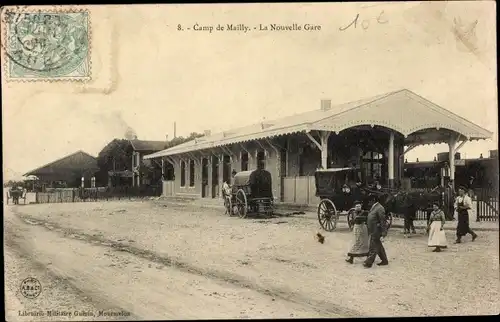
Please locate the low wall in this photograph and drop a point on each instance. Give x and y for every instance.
(168, 188)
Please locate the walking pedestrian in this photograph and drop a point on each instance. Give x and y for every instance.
(409, 217)
(360, 244)
(377, 230)
(463, 204)
(437, 236)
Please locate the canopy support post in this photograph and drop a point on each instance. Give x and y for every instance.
(246, 150)
(324, 149)
(451, 146)
(228, 152)
(273, 147)
(390, 162)
(460, 145)
(313, 140)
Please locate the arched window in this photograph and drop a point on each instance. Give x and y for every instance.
(191, 173)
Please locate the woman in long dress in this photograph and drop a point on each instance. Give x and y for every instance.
(463, 205)
(437, 237)
(360, 244)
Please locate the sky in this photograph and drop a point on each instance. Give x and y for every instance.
(146, 74)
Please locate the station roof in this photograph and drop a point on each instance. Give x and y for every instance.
(79, 161)
(402, 111)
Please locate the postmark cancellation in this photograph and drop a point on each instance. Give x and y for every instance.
(46, 45)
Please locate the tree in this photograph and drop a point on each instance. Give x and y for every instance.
(179, 140)
(14, 183)
(116, 156)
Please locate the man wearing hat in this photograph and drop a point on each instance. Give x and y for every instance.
(360, 243)
(463, 204)
(377, 230)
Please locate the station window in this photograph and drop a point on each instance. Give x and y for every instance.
(191, 173)
(244, 161)
(169, 172)
(183, 174)
(372, 165)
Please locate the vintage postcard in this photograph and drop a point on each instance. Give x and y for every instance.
(247, 161)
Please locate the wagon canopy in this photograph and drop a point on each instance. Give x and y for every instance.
(328, 181)
(242, 178)
(259, 181)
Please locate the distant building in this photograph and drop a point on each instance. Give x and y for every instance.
(67, 171)
(122, 163)
(483, 171)
(141, 148)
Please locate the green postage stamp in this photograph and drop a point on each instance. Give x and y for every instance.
(47, 45)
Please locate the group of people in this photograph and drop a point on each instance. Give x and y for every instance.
(462, 207)
(369, 231)
(370, 228)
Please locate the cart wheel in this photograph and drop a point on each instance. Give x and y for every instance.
(241, 203)
(388, 220)
(327, 215)
(229, 206)
(350, 218)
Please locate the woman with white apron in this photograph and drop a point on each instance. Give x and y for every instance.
(437, 236)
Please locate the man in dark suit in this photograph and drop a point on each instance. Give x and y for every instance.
(377, 230)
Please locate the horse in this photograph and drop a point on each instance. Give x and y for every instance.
(408, 203)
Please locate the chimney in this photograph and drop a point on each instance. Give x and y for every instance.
(175, 130)
(207, 132)
(326, 105)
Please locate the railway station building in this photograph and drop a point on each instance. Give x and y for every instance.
(372, 135)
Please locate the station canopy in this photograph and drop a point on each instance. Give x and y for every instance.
(417, 119)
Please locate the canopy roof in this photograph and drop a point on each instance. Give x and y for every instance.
(79, 161)
(402, 111)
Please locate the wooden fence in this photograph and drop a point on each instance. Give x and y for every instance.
(300, 190)
(486, 204)
(168, 189)
(96, 194)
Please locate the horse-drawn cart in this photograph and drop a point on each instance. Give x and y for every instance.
(251, 193)
(338, 189)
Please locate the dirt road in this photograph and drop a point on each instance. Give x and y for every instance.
(154, 261)
(85, 274)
